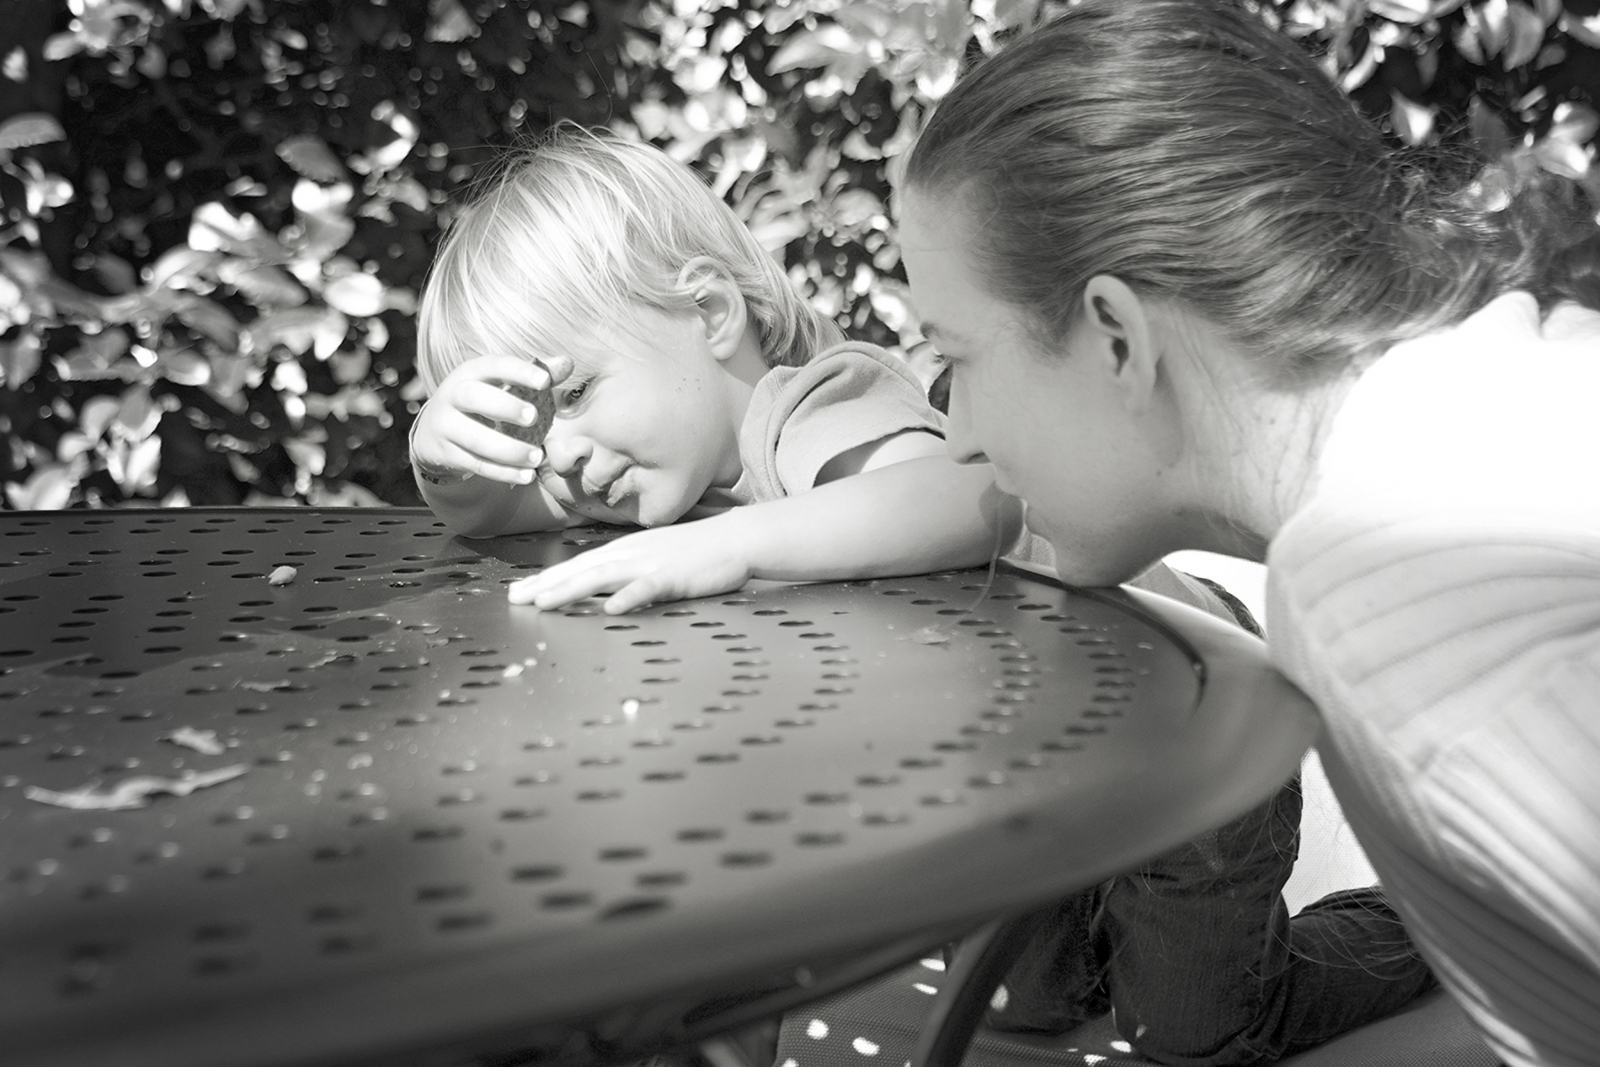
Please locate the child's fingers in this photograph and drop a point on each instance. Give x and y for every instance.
(569, 583)
(492, 402)
(522, 590)
(639, 593)
(472, 439)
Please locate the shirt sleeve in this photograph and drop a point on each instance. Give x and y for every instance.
(800, 418)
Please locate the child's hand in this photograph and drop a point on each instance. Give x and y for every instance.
(692, 559)
(453, 431)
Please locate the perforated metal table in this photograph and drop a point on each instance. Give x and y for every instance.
(422, 825)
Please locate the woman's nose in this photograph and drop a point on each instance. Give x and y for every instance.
(565, 452)
(959, 439)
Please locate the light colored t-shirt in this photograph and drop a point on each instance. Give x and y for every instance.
(1438, 597)
(801, 417)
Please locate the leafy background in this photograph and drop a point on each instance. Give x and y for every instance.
(216, 215)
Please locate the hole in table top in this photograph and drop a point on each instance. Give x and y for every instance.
(818, 840)
(521, 814)
(436, 833)
(434, 894)
(660, 879)
(696, 834)
(623, 854)
(746, 859)
(630, 909)
(222, 931)
(455, 924)
(885, 818)
(219, 966)
(537, 873)
(341, 944)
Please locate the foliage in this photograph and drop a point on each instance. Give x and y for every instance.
(218, 213)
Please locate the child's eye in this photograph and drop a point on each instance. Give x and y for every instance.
(572, 394)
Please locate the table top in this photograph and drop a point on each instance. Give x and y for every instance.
(375, 813)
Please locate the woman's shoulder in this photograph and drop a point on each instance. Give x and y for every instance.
(1498, 410)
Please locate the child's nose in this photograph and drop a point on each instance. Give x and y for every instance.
(565, 452)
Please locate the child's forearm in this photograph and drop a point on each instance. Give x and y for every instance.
(911, 517)
(483, 507)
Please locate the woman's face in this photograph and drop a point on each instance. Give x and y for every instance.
(1056, 424)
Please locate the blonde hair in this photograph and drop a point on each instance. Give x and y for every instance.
(569, 232)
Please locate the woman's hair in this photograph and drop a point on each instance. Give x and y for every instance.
(569, 232)
(1191, 150)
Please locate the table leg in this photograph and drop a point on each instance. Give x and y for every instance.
(981, 961)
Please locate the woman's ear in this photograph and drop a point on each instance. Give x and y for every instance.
(1121, 336)
(719, 302)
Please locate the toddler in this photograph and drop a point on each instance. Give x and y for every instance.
(688, 378)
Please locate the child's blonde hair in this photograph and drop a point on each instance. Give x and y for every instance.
(566, 233)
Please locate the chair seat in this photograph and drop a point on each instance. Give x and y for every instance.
(878, 1024)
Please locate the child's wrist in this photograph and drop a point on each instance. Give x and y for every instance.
(438, 475)
(431, 473)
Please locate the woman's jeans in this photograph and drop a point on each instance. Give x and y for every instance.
(1196, 953)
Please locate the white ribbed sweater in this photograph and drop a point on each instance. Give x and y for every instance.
(1439, 599)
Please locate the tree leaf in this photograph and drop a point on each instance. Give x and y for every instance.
(29, 129)
(358, 294)
(19, 360)
(47, 489)
(209, 318)
(310, 157)
(185, 366)
(1413, 122)
(266, 285)
(138, 414)
(1409, 12)
(1524, 37)
(815, 48)
(213, 228)
(448, 21)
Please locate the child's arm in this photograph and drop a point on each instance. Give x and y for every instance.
(479, 481)
(897, 506)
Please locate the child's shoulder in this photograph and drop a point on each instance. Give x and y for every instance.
(847, 363)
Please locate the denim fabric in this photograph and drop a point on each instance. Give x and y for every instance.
(1197, 955)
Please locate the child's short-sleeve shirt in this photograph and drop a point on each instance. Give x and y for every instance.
(800, 418)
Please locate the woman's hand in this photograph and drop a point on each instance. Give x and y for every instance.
(691, 559)
(454, 432)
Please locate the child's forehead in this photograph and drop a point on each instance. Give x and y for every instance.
(609, 340)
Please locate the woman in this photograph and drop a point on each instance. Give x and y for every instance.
(1188, 300)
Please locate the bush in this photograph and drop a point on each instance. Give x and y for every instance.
(218, 213)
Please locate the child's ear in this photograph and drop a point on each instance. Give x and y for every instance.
(1120, 335)
(720, 304)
